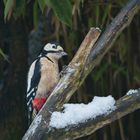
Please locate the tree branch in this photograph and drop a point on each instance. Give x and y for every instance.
(124, 106)
(87, 57)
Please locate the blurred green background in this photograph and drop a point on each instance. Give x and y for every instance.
(25, 26)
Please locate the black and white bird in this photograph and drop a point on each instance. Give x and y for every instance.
(43, 75)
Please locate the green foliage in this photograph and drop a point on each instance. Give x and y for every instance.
(61, 8)
(9, 4)
(42, 4)
(17, 8)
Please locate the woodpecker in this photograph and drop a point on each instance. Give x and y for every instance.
(43, 75)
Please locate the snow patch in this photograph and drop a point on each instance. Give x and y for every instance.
(131, 91)
(78, 113)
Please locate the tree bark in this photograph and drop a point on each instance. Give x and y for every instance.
(79, 68)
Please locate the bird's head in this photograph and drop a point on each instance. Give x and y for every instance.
(53, 50)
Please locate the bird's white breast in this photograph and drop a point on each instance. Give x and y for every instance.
(49, 77)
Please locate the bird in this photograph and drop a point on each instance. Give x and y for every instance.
(42, 77)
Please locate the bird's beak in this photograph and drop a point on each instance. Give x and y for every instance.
(64, 54)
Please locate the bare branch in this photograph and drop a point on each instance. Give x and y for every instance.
(87, 57)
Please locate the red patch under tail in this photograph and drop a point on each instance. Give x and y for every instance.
(38, 103)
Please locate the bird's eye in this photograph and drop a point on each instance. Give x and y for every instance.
(54, 46)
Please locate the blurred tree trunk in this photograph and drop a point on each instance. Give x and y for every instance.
(13, 42)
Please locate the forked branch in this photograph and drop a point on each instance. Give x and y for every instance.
(88, 56)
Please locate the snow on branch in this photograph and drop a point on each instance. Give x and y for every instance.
(107, 112)
(132, 91)
(88, 56)
(73, 114)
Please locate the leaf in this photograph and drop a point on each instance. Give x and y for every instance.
(62, 9)
(9, 5)
(42, 4)
(3, 55)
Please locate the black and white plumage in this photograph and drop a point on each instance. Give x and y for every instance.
(43, 75)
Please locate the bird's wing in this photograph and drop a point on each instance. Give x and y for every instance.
(33, 80)
(33, 76)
